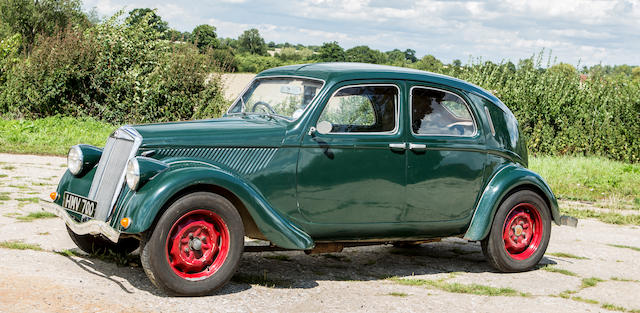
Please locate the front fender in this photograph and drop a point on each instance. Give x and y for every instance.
(145, 204)
(505, 180)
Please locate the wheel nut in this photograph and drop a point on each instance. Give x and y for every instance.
(186, 249)
(190, 235)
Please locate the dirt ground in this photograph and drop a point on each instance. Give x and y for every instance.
(356, 280)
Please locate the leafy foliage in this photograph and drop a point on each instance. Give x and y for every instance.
(251, 42)
(114, 71)
(204, 36)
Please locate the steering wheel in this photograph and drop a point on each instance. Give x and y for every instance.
(262, 103)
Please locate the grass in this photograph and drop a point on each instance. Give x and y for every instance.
(51, 135)
(554, 269)
(8, 167)
(585, 300)
(624, 247)
(35, 215)
(3, 175)
(566, 255)
(590, 282)
(606, 217)
(30, 199)
(591, 179)
(4, 196)
(475, 289)
(398, 294)
(17, 245)
(612, 307)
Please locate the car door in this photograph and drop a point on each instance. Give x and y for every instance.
(355, 171)
(446, 156)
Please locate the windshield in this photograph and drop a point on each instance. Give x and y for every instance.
(283, 96)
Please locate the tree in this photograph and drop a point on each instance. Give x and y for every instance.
(204, 36)
(429, 63)
(31, 18)
(250, 41)
(331, 52)
(410, 55)
(635, 73)
(155, 21)
(365, 54)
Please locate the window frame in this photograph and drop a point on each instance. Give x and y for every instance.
(394, 131)
(473, 117)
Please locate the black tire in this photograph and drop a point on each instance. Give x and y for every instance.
(503, 254)
(98, 245)
(178, 220)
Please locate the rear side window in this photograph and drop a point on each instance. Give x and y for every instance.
(439, 112)
(362, 109)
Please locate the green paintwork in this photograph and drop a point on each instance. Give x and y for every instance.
(149, 168)
(90, 157)
(507, 178)
(143, 207)
(300, 188)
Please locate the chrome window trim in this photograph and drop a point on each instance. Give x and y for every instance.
(473, 118)
(128, 133)
(486, 111)
(311, 103)
(397, 110)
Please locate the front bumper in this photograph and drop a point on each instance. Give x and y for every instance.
(92, 227)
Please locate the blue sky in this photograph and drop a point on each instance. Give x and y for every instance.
(589, 32)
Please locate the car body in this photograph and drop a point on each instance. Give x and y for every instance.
(315, 157)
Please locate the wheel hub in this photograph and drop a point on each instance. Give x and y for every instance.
(522, 231)
(198, 244)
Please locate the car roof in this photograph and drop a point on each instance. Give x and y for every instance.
(337, 71)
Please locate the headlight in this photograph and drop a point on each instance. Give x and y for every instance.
(75, 160)
(133, 173)
(142, 169)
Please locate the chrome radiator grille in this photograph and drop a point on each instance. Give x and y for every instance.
(109, 177)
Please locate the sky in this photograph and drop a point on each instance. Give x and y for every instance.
(576, 32)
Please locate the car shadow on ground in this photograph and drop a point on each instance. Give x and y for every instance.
(295, 269)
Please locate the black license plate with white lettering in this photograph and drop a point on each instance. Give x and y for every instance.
(79, 204)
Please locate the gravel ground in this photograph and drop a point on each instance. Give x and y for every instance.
(355, 280)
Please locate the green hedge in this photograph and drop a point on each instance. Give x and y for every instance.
(114, 72)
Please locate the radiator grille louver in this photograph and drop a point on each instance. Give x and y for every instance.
(108, 179)
(244, 161)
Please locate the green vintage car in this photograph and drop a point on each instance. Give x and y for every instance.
(312, 157)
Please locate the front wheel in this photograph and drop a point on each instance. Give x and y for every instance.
(519, 234)
(196, 246)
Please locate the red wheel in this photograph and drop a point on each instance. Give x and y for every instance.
(520, 232)
(197, 244)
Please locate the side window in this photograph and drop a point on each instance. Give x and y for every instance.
(438, 112)
(362, 109)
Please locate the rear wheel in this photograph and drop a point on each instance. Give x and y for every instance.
(98, 245)
(519, 234)
(196, 246)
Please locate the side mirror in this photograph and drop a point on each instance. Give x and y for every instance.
(324, 127)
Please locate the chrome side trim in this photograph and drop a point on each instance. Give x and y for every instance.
(397, 103)
(486, 111)
(93, 227)
(473, 118)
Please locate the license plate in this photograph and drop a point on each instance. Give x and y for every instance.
(79, 204)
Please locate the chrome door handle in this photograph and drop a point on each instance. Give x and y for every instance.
(398, 146)
(417, 147)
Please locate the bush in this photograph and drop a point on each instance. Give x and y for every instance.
(116, 72)
(563, 113)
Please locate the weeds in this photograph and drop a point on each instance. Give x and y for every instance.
(566, 255)
(554, 269)
(35, 215)
(398, 294)
(624, 247)
(475, 289)
(279, 257)
(261, 280)
(590, 282)
(18, 245)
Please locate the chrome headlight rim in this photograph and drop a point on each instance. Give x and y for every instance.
(75, 160)
(133, 173)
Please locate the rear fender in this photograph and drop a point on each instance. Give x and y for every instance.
(507, 179)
